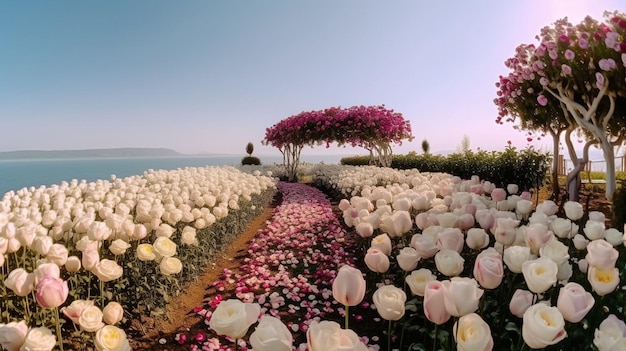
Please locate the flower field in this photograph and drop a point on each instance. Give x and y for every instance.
(419, 261)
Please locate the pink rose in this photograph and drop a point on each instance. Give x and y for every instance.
(51, 292)
(499, 194)
(376, 260)
(521, 300)
(75, 309)
(451, 239)
(488, 268)
(601, 254)
(542, 100)
(574, 302)
(349, 286)
(434, 306)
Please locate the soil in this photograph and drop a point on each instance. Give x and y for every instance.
(146, 334)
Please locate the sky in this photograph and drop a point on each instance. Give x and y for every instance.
(210, 76)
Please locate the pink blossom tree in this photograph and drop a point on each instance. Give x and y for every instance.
(580, 71)
(374, 128)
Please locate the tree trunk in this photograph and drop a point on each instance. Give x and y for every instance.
(556, 189)
(609, 158)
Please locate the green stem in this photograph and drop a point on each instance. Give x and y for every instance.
(435, 338)
(58, 325)
(235, 344)
(347, 315)
(389, 336)
(101, 292)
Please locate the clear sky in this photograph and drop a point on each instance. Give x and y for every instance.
(209, 76)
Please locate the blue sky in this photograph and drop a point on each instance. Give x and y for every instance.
(209, 76)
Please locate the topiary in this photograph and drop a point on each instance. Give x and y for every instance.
(619, 204)
(251, 160)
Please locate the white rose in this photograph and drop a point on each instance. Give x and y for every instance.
(561, 227)
(515, 256)
(408, 259)
(271, 335)
(91, 319)
(111, 338)
(477, 238)
(170, 265)
(57, 254)
(614, 236)
(580, 242)
(39, 339)
(328, 335)
(603, 281)
(233, 318)
(594, 230)
(13, 335)
(98, 231)
(555, 250)
(573, 210)
(119, 247)
(188, 236)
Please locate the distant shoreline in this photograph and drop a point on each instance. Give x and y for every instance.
(89, 153)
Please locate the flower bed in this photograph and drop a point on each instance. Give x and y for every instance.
(99, 254)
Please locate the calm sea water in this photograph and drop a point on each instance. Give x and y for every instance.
(17, 174)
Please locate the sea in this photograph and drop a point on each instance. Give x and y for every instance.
(26, 173)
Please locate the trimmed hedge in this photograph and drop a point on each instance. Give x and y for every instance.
(527, 168)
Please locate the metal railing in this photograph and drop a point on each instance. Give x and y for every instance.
(566, 165)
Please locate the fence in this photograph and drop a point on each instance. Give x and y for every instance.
(592, 165)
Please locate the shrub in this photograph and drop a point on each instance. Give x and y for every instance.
(250, 160)
(619, 203)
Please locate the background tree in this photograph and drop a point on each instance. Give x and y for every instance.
(581, 68)
(249, 148)
(425, 147)
(464, 146)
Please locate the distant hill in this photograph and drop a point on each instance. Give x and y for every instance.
(89, 153)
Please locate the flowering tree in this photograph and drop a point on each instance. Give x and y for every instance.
(374, 128)
(572, 81)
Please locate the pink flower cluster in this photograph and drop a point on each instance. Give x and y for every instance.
(355, 126)
(302, 236)
(581, 58)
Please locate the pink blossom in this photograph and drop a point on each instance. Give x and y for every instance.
(542, 100)
(599, 80)
(583, 43)
(567, 70)
(607, 64)
(569, 54)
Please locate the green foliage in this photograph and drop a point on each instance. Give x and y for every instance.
(250, 160)
(527, 168)
(619, 204)
(250, 148)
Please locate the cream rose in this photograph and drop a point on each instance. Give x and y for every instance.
(170, 265)
(75, 309)
(521, 300)
(603, 281)
(542, 326)
(112, 313)
(477, 238)
(540, 274)
(382, 242)
(449, 262)
(418, 279)
(389, 302)
(145, 252)
(472, 333)
(488, 268)
(328, 335)
(164, 247)
(91, 319)
(107, 270)
(556, 251)
(573, 210)
(376, 260)
(188, 236)
(111, 338)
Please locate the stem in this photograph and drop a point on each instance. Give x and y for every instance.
(389, 336)
(101, 291)
(58, 325)
(347, 315)
(235, 344)
(435, 338)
